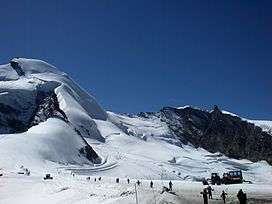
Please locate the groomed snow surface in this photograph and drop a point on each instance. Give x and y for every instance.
(130, 147)
(64, 188)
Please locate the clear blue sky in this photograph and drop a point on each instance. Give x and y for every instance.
(142, 55)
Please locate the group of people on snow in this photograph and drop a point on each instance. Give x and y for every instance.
(207, 194)
(138, 182)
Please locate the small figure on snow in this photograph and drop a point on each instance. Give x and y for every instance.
(209, 188)
(151, 184)
(170, 185)
(242, 197)
(138, 182)
(223, 196)
(205, 196)
(128, 181)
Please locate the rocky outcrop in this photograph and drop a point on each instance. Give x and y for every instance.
(90, 154)
(218, 132)
(47, 107)
(15, 65)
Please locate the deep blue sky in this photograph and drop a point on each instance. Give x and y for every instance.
(141, 55)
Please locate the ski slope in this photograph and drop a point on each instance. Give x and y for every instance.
(65, 188)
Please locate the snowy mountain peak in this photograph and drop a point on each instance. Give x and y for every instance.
(33, 66)
(33, 92)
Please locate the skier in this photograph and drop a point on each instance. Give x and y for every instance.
(138, 182)
(128, 180)
(117, 180)
(242, 197)
(94, 179)
(99, 179)
(170, 185)
(223, 196)
(151, 184)
(209, 188)
(205, 195)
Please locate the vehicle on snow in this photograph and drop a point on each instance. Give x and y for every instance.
(47, 176)
(232, 177)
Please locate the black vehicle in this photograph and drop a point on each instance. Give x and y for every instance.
(47, 176)
(215, 179)
(232, 177)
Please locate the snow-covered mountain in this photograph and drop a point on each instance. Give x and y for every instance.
(47, 121)
(45, 116)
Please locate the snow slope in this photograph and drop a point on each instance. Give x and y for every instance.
(34, 148)
(44, 71)
(152, 157)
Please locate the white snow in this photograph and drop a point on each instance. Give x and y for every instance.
(7, 73)
(50, 141)
(67, 189)
(183, 107)
(229, 113)
(35, 66)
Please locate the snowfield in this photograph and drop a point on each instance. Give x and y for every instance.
(68, 189)
(129, 147)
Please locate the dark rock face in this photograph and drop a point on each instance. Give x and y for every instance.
(9, 121)
(15, 65)
(16, 119)
(218, 132)
(90, 154)
(47, 107)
